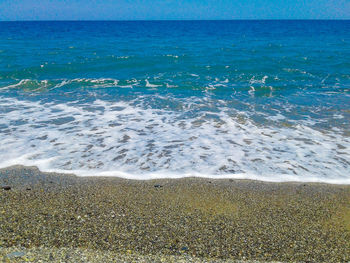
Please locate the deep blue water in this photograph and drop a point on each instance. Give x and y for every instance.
(266, 100)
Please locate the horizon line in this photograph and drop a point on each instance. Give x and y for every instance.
(180, 20)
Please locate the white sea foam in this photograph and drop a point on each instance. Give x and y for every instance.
(173, 56)
(21, 82)
(36, 85)
(170, 86)
(149, 85)
(119, 139)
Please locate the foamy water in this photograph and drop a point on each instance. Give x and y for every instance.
(121, 139)
(181, 101)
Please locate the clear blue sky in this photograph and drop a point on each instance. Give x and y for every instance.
(172, 9)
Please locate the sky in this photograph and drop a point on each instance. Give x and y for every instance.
(172, 9)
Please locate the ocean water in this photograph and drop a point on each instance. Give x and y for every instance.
(265, 100)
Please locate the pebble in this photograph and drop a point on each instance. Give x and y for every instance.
(16, 254)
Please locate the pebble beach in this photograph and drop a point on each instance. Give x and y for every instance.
(48, 217)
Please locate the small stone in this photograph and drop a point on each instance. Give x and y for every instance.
(6, 188)
(16, 254)
(184, 248)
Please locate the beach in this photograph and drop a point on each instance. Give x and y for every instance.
(175, 141)
(63, 218)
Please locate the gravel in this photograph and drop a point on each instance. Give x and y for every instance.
(64, 218)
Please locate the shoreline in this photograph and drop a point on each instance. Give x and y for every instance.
(171, 177)
(198, 219)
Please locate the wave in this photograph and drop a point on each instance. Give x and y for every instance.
(129, 140)
(36, 85)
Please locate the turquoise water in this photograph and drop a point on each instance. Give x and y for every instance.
(266, 100)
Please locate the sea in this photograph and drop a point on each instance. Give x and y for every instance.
(262, 100)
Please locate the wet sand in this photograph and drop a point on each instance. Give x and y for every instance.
(64, 218)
